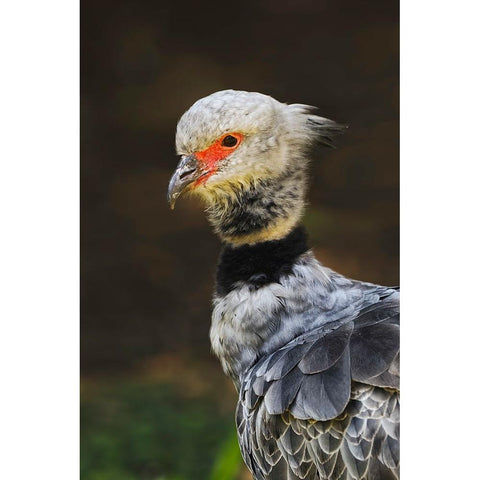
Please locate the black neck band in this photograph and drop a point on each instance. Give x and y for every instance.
(260, 263)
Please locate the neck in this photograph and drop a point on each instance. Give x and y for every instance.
(252, 283)
(261, 263)
(260, 211)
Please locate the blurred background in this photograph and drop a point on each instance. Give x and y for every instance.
(155, 403)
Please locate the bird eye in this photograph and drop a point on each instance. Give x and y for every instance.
(229, 141)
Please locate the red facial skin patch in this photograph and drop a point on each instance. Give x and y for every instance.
(211, 156)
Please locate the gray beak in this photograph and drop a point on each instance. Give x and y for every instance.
(186, 173)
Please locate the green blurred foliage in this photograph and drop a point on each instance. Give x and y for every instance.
(229, 460)
(132, 430)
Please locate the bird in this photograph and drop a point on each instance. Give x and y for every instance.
(313, 355)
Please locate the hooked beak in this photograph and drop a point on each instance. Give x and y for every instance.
(186, 173)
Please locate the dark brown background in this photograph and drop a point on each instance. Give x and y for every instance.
(146, 272)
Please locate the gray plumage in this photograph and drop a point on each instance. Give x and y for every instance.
(314, 355)
(326, 405)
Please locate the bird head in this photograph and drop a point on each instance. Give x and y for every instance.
(232, 139)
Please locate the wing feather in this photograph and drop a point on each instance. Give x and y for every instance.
(326, 406)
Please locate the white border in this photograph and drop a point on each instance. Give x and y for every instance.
(440, 82)
(39, 251)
